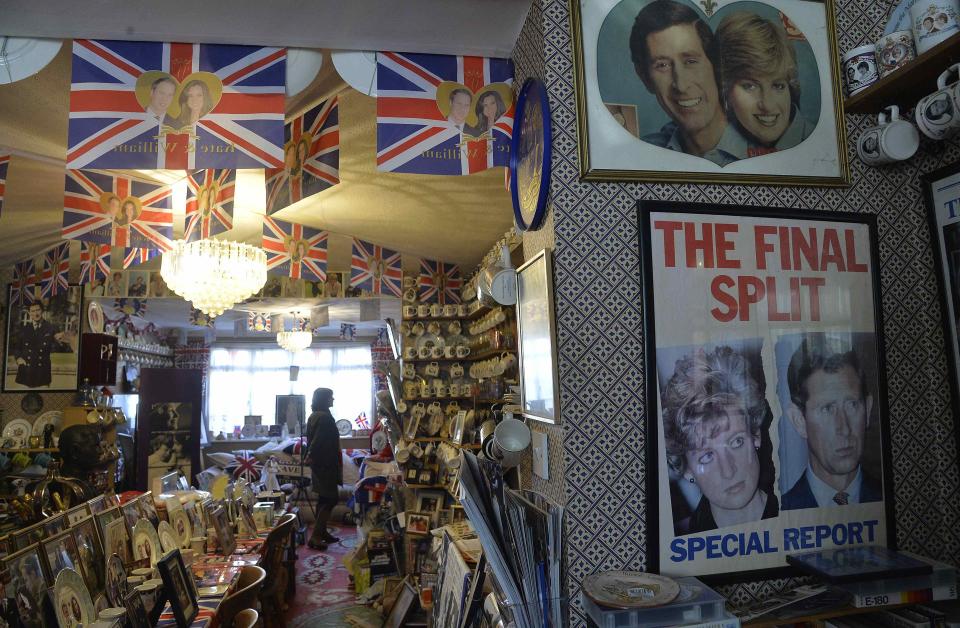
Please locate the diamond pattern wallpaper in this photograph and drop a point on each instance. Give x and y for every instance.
(597, 466)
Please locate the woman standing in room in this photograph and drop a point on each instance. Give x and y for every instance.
(323, 444)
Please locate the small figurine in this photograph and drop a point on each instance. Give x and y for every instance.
(48, 436)
(269, 475)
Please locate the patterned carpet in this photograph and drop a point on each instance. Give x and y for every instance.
(324, 594)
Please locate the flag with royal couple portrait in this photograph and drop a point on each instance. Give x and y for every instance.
(295, 250)
(175, 106)
(209, 209)
(443, 114)
(56, 270)
(94, 262)
(24, 280)
(375, 269)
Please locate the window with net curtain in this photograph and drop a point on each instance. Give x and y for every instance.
(246, 379)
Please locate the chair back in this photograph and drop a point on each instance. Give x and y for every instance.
(245, 594)
(272, 554)
(246, 618)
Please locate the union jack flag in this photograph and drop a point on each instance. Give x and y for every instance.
(209, 203)
(439, 282)
(130, 105)
(421, 129)
(118, 210)
(130, 307)
(56, 270)
(22, 288)
(310, 169)
(362, 422)
(137, 256)
(94, 262)
(375, 269)
(247, 467)
(294, 250)
(4, 164)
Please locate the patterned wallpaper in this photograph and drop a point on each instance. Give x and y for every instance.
(598, 463)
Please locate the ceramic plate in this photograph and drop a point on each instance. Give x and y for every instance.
(72, 600)
(180, 522)
(116, 588)
(169, 540)
(53, 417)
(146, 541)
(216, 591)
(95, 317)
(433, 424)
(344, 427)
(630, 589)
(18, 430)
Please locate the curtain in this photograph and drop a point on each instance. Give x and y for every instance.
(246, 380)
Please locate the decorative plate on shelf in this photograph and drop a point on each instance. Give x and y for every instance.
(31, 403)
(95, 317)
(169, 540)
(180, 522)
(630, 589)
(433, 424)
(344, 427)
(19, 431)
(53, 417)
(116, 588)
(72, 600)
(146, 543)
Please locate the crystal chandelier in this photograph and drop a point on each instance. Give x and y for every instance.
(294, 341)
(214, 275)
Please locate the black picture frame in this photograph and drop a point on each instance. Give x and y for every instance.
(180, 593)
(136, 613)
(780, 218)
(299, 407)
(939, 221)
(67, 306)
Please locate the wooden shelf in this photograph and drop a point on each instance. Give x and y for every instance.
(489, 353)
(416, 399)
(429, 360)
(908, 84)
(29, 450)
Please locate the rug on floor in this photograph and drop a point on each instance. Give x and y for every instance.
(325, 596)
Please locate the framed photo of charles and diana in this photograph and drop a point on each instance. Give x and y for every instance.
(768, 433)
(715, 91)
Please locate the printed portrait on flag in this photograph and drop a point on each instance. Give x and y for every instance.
(95, 264)
(375, 270)
(311, 155)
(175, 106)
(41, 350)
(4, 164)
(56, 269)
(771, 419)
(443, 114)
(209, 208)
(440, 282)
(294, 250)
(117, 210)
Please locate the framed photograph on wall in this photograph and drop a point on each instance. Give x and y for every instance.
(536, 327)
(42, 344)
(765, 387)
(291, 411)
(721, 92)
(942, 191)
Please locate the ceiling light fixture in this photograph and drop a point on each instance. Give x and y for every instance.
(294, 341)
(214, 275)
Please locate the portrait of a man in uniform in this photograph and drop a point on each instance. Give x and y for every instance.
(42, 344)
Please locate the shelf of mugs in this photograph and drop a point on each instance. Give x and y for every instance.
(905, 86)
(437, 398)
(492, 353)
(429, 360)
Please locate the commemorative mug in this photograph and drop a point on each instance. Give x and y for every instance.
(432, 369)
(434, 310)
(510, 438)
(410, 353)
(418, 410)
(424, 388)
(439, 389)
(936, 113)
(424, 352)
(449, 310)
(456, 370)
(423, 310)
(454, 328)
(434, 408)
(434, 328)
(890, 141)
(404, 329)
(463, 351)
(417, 329)
(895, 51)
(436, 352)
(508, 360)
(428, 450)
(409, 281)
(449, 352)
(416, 451)
(860, 68)
(409, 311)
(454, 390)
(409, 371)
(410, 389)
(452, 408)
(933, 21)
(410, 295)
(462, 310)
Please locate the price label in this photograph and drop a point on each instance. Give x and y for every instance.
(876, 600)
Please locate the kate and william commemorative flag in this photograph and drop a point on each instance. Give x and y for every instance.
(133, 256)
(4, 164)
(441, 114)
(118, 210)
(94, 262)
(294, 250)
(311, 153)
(375, 269)
(56, 269)
(175, 106)
(440, 282)
(209, 203)
(24, 279)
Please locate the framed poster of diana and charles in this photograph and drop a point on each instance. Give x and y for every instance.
(719, 91)
(768, 433)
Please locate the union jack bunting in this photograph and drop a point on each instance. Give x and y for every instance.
(22, 287)
(118, 210)
(311, 154)
(56, 270)
(441, 114)
(4, 163)
(439, 282)
(94, 262)
(258, 321)
(375, 269)
(137, 256)
(209, 203)
(294, 250)
(175, 106)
